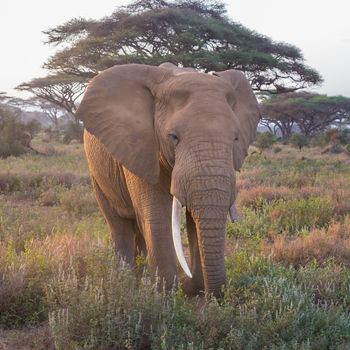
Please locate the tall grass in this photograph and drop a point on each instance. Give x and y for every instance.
(287, 263)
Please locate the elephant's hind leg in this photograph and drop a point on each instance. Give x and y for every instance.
(122, 230)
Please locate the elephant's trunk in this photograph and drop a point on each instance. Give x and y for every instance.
(204, 181)
(210, 224)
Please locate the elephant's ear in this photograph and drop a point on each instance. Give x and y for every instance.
(118, 108)
(247, 111)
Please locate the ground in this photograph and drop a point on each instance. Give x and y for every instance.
(287, 258)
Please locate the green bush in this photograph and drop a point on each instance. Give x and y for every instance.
(78, 200)
(295, 215)
(277, 149)
(298, 141)
(22, 300)
(73, 131)
(279, 216)
(331, 136)
(348, 147)
(15, 136)
(264, 140)
(11, 137)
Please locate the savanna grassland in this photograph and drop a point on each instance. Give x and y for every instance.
(288, 262)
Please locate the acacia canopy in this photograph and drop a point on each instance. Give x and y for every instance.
(191, 33)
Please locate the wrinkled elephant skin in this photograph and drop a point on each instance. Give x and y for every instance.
(161, 138)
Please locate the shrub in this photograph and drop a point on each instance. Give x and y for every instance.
(331, 136)
(33, 185)
(253, 224)
(15, 136)
(336, 136)
(297, 214)
(21, 293)
(282, 216)
(49, 197)
(24, 274)
(264, 140)
(11, 136)
(78, 200)
(277, 150)
(73, 131)
(348, 147)
(298, 141)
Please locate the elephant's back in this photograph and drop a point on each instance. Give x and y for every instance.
(108, 174)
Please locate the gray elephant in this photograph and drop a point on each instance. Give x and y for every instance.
(161, 138)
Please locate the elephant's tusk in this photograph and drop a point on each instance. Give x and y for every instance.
(175, 221)
(233, 213)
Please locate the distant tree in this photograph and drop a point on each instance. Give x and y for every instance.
(311, 113)
(52, 112)
(298, 140)
(62, 90)
(318, 112)
(264, 140)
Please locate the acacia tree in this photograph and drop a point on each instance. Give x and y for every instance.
(61, 89)
(311, 113)
(51, 110)
(315, 113)
(190, 33)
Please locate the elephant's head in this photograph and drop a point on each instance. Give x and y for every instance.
(197, 125)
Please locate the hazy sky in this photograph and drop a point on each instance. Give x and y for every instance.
(320, 28)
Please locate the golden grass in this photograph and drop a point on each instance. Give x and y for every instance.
(320, 245)
(249, 197)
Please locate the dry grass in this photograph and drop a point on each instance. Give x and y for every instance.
(25, 274)
(338, 190)
(38, 338)
(319, 245)
(250, 197)
(56, 255)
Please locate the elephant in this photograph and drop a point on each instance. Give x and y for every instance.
(159, 139)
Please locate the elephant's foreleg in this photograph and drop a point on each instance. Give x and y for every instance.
(122, 230)
(152, 205)
(140, 244)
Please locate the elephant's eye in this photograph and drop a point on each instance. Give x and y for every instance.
(173, 138)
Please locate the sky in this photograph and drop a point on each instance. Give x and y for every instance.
(320, 28)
